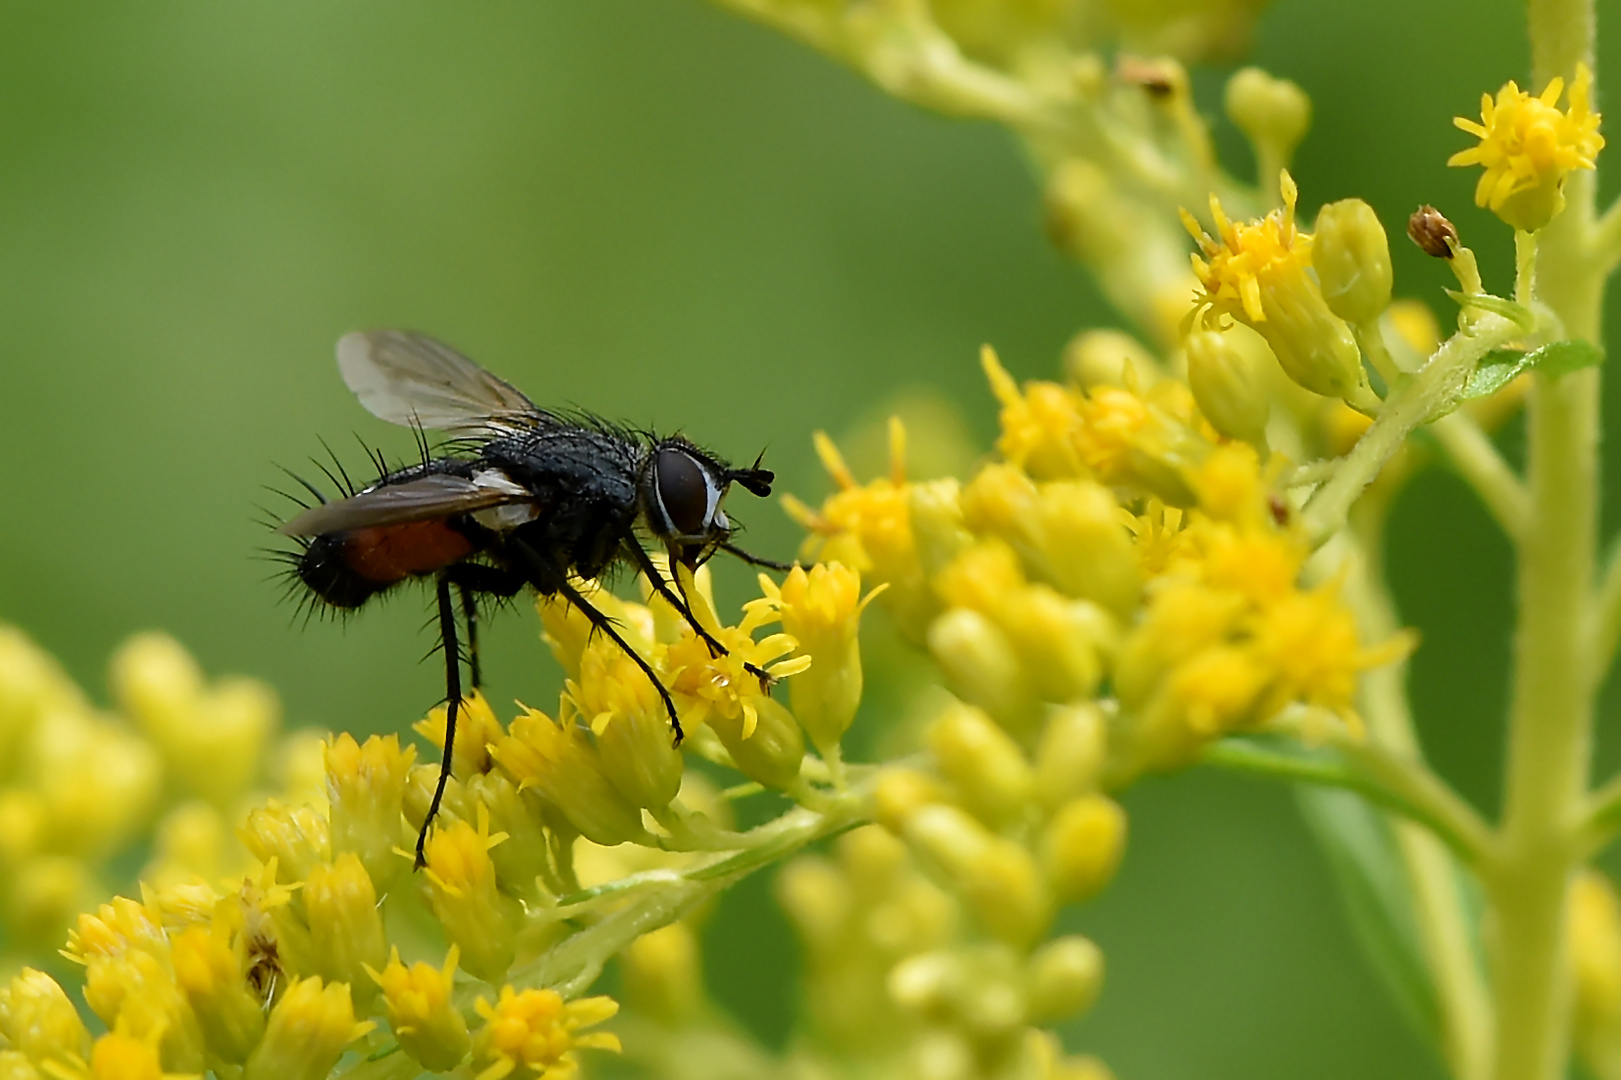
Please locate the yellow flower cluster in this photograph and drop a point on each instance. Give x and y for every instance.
(1528, 146)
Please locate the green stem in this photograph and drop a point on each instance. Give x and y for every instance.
(1550, 719)
(1606, 632)
(1399, 783)
(1403, 411)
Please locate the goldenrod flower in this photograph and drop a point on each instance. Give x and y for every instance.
(719, 687)
(208, 968)
(997, 877)
(365, 789)
(627, 718)
(1069, 758)
(477, 730)
(477, 917)
(1259, 273)
(294, 839)
(118, 1055)
(346, 926)
(307, 1032)
(1528, 147)
(663, 973)
(1082, 846)
(37, 1019)
(984, 764)
(421, 1013)
(821, 611)
(1351, 255)
(558, 760)
(532, 1034)
(1063, 979)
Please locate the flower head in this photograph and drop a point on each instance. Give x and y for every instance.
(420, 1010)
(1257, 272)
(1528, 147)
(533, 1034)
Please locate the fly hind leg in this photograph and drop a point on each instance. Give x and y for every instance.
(453, 701)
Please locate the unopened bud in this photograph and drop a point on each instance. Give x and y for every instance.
(900, 792)
(1229, 385)
(1352, 260)
(1069, 759)
(982, 667)
(772, 753)
(1109, 358)
(346, 925)
(1063, 979)
(995, 876)
(1272, 113)
(987, 766)
(1082, 846)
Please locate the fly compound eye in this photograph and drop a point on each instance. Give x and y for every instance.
(687, 493)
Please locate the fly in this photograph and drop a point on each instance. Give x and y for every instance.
(522, 497)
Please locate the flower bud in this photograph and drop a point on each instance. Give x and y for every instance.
(306, 1034)
(295, 837)
(1229, 385)
(365, 790)
(346, 926)
(1352, 258)
(1272, 113)
(1069, 758)
(421, 1012)
(477, 729)
(1082, 845)
(981, 666)
(1063, 979)
(772, 752)
(37, 1018)
(997, 877)
(900, 792)
(1089, 553)
(662, 974)
(535, 1031)
(523, 858)
(1109, 358)
(986, 766)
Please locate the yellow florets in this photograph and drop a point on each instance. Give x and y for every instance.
(533, 1034)
(1528, 146)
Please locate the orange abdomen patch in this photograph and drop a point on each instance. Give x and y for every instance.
(389, 553)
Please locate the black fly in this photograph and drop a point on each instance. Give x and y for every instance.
(522, 497)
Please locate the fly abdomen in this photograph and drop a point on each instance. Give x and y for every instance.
(348, 568)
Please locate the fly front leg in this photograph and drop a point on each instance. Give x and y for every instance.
(557, 581)
(650, 570)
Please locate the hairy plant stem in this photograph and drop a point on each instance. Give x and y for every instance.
(1550, 720)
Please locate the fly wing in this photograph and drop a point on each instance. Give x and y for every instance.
(412, 380)
(427, 498)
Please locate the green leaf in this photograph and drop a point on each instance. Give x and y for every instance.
(1362, 853)
(1500, 366)
(1562, 357)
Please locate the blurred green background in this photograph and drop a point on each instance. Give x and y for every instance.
(672, 217)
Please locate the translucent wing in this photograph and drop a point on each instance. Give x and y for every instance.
(427, 498)
(410, 379)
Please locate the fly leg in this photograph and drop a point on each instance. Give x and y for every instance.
(755, 560)
(453, 701)
(650, 570)
(472, 580)
(557, 581)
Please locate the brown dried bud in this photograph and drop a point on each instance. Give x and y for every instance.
(1431, 231)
